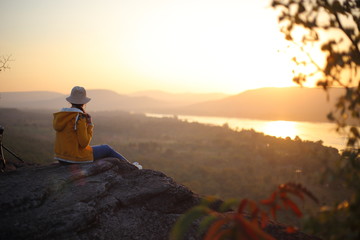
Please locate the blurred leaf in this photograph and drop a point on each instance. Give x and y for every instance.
(274, 209)
(215, 228)
(330, 116)
(264, 220)
(228, 204)
(205, 223)
(354, 131)
(242, 205)
(224, 234)
(299, 190)
(254, 210)
(301, 8)
(288, 37)
(291, 229)
(288, 203)
(208, 200)
(186, 220)
(269, 201)
(253, 231)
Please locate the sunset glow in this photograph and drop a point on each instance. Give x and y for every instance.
(178, 46)
(281, 129)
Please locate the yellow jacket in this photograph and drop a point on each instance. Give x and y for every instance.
(73, 136)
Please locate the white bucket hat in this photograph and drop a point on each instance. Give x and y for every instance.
(78, 96)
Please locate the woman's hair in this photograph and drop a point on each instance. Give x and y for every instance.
(79, 106)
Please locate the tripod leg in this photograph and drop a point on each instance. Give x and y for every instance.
(18, 158)
(2, 159)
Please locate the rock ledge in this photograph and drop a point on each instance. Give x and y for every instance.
(107, 199)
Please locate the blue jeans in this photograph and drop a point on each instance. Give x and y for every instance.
(103, 151)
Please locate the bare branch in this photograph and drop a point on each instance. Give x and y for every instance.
(4, 62)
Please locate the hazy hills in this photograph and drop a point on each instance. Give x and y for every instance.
(101, 100)
(106, 100)
(298, 104)
(181, 99)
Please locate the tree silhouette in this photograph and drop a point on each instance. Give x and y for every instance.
(332, 28)
(326, 33)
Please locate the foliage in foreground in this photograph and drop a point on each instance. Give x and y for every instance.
(332, 29)
(341, 220)
(247, 222)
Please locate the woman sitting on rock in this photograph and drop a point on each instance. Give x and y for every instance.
(74, 129)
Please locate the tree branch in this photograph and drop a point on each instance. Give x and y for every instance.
(4, 62)
(341, 27)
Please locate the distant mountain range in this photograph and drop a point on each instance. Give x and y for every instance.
(107, 100)
(298, 104)
(181, 99)
(293, 103)
(101, 100)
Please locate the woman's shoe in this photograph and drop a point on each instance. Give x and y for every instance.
(136, 164)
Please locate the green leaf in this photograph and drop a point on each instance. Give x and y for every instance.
(208, 200)
(186, 220)
(205, 223)
(228, 205)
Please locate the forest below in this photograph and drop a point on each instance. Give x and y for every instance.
(210, 160)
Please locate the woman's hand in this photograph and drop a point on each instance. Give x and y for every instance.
(88, 118)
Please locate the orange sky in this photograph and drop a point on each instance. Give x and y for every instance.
(132, 45)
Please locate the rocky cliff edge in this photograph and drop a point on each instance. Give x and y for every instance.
(108, 199)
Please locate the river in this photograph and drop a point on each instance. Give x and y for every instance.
(312, 131)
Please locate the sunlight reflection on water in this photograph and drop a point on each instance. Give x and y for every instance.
(281, 129)
(312, 131)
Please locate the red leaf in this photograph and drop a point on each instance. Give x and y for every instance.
(293, 206)
(242, 205)
(264, 219)
(298, 190)
(269, 201)
(273, 210)
(291, 229)
(215, 228)
(254, 210)
(283, 195)
(222, 234)
(252, 231)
